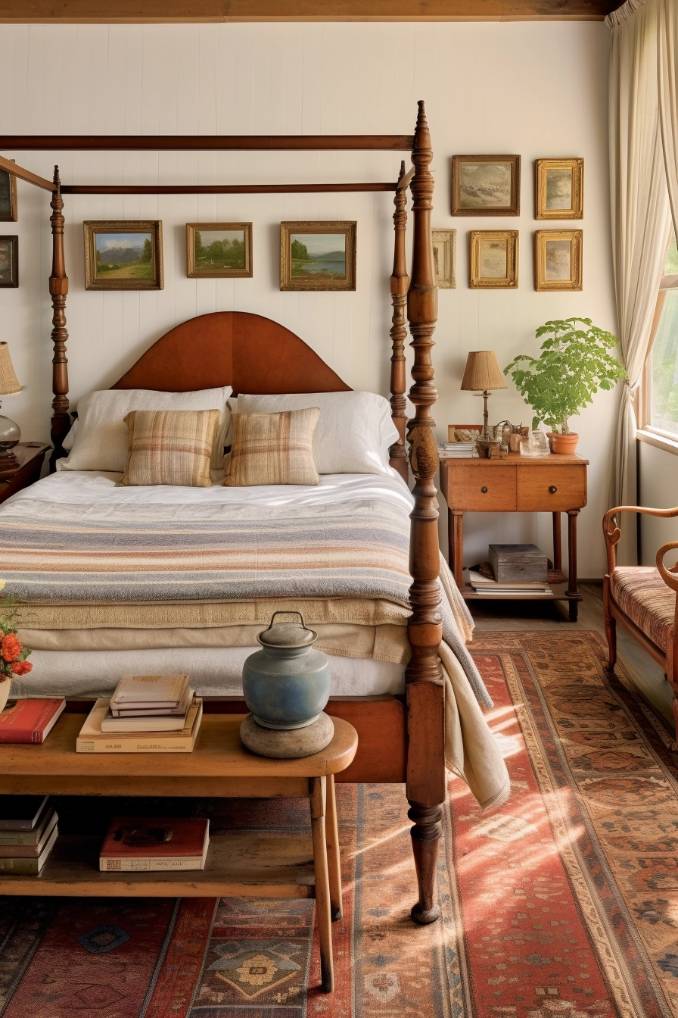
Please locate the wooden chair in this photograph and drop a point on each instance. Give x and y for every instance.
(644, 599)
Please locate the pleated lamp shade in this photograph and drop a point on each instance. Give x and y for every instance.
(482, 372)
(9, 383)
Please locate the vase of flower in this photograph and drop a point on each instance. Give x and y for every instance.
(13, 654)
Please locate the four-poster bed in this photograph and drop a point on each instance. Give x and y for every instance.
(402, 738)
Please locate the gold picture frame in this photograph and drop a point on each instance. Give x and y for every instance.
(444, 243)
(9, 262)
(8, 202)
(228, 255)
(559, 188)
(493, 259)
(486, 185)
(318, 255)
(123, 254)
(558, 259)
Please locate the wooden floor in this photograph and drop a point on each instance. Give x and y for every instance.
(644, 672)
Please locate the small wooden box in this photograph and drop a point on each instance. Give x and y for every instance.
(511, 562)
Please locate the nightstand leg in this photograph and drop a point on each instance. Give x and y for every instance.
(322, 883)
(333, 859)
(557, 544)
(572, 590)
(457, 547)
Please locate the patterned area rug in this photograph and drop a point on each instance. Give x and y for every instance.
(561, 904)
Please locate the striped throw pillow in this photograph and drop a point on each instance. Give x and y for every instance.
(170, 446)
(273, 448)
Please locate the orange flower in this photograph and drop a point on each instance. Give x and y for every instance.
(21, 667)
(10, 648)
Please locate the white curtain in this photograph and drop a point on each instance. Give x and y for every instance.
(667, 39)
(640, 218)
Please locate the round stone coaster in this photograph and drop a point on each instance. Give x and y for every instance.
(286, 745)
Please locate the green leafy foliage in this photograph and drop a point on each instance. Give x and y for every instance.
(574, 364)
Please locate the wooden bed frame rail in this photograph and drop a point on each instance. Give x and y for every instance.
(414, 299)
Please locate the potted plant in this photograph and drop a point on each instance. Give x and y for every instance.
(574, 363)
(12, 653)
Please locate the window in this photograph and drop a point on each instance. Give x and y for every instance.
(660, 395)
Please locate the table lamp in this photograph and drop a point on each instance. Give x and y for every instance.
(9, 430)
(482, 374)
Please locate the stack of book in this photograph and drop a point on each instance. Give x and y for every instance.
(28, 830)
(155, 843)
(487, 586)
(457, 449)
(146, 714)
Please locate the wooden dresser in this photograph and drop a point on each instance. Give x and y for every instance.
(518, 484)
(29, 457)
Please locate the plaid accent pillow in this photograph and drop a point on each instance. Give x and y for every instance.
(273, 448)
(170, 446)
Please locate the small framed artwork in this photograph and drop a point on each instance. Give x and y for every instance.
(485, 185)
(443, 257)
(493, 259)
(9, 261)
(218, 250)
(558, 188)
(317, 255)
(123, 254)
(558, 259)
(8, 213)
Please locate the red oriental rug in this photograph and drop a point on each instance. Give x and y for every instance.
(561, 904)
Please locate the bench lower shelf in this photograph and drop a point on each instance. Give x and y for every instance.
(263, 865)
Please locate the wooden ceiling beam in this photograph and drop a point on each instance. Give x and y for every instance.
(79, 11)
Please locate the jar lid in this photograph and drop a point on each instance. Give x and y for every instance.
(290, 635)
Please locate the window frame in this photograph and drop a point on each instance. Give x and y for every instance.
(647, 432)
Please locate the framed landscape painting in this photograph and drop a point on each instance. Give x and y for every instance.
(493, 259)
(443, 257)
(558, 259)
(8, 212)
(9, 261)
(317, 255)
(218, 250)
(485, 185)
(123, 254)
(558, 188)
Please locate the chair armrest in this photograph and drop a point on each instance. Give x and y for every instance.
(669, 576)
(612, 529)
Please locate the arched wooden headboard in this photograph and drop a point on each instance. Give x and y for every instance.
(248, 352)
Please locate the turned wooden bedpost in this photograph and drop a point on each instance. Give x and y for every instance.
(399, 284)
(426, 776)
(58, 288)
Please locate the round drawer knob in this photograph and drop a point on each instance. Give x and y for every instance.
(484, 489)
(552, 489)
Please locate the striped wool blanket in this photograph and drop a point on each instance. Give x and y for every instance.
(118, 551)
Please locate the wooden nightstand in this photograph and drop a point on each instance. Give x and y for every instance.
(30, 456)
(517, 484)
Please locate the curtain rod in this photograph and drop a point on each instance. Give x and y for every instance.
(205, 142)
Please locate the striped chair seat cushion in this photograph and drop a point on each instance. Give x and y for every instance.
(643, 596)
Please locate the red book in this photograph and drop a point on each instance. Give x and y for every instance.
(155, 843)
(30, 720)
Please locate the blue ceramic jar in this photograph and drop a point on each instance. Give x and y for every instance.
(286, 683)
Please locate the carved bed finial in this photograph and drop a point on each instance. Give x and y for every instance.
(399, 284)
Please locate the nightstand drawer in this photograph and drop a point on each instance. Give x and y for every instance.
(483, 489)
(551, 488)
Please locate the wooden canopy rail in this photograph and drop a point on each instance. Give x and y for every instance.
(208, 142)
(414, 299)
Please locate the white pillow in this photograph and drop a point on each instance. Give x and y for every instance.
(98, 439)
(353, 433)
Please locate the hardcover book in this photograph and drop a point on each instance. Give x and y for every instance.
(30, 720)
(21, 812)
(31, 837)
(149, 691)
(155, 843)
(29, 849)
(92, 739)
(144, 720)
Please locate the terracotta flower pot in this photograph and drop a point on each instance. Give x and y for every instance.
(5, 685)
(564, 445)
